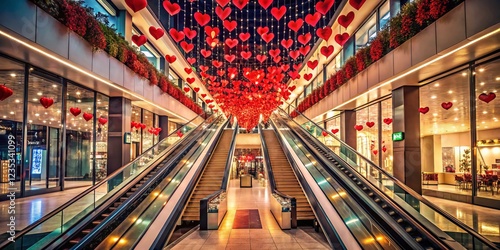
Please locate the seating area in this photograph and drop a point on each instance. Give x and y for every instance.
(485, 182)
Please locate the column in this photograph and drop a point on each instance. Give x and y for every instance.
(406, 118)
(163, 126)
(120, 111)
(348, 133)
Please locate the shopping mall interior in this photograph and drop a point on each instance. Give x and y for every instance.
(261, 124)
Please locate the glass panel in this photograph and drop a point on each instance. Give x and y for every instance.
(366, 33)
(11, 118)
(387, 155)
(136, 123)
(79, 137)
(367, 134)
(147, 137)
(101, 154)
(445, 135)
(385, 14)
(488, 131)
(44, 112)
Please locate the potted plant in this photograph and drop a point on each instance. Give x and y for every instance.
(465, 163)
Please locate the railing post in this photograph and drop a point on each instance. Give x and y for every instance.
(294, 212)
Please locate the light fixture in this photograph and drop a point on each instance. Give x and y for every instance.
(485, 112)
(78, 100)
(454, 100)
(481, 70)
(35, 99)
(54, 86)
(17, 101)
(497, 78)
(37, 114)
(435, 114)
(4, 116)
(456, 119)
(436, 85)
(13, 75)
(11, 112)
(450, 92)
(456, 109)
(78, 93)
(482, 84)
(464, 74)
(39, 94)
(433, 97)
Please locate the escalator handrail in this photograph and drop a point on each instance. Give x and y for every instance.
(229, 158)
(403, 186)
(84, 193)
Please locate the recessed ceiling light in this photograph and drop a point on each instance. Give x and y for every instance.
(454, 100)
(483, 122)
(456, 119)
(4, 116)
(433, 97)
(11, 112)
(481, 70)
(54, 86)
(39, 93)
(30, 121)
(464, 74)
(17, 101)
(34, 99)
(37, 114)
(450, 92)
(482, 84)
(435, 114)
(45, 112)
(456, 109)
(436, 85)
(497, 78)
(13, 75)
(78, 93)
(44, 121)
(463, 124)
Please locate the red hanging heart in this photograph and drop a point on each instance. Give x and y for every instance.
(46, 102)
(187, 47)
(139, 40)
(133, 124)
(171, 8)
(292, 88)
(191, 60)
(87, 116)
(384, 148)
(221, 72)
(102, 120)
(308, 77)
(324, 6)
(304, 39)
(277, 59)
(312, 64)
(274, 52)
(170, 59)
(387, 121)
(327, 50)
(212, 42)
(212, 32)
(211, 106)
(296, 25)
(265, 3)
(231, 42)
(278, 13)
(229, 58)
(137, 125)
(286, 43)
(261, 58)
(423, 110)
(356, 3)
(370, 124)
(487, 98)
(297, 66)
(304, 50)
(222, 2)
(294, 75)
(294, 54)
(188, 70)
(285, 67)
(313, 19)
(143, 126)
(262, 30)
(157, 33)
(203, 95)
(186, 89)
(324, 133)
(240, 4)
(324, 33)
(222, 13)
(335, 130)
(190, 33)
(190, 80)
(244, 36)
(205, 53)
(176, 35)
(201, 19)
(5, 92)
(246, 54)
(196, 89)
(446, 105)
(203, 68)
(358, 127)
(342, 39)
(136, 5)
(345, 20)
(268, 37)
(375, 152)
(75, 111)
(230, 25)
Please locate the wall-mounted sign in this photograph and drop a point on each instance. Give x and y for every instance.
(36, 165)
(127, 138)
(398, 136)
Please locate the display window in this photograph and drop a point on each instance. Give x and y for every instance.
(367, 132)
(386, 142)
(101, 137)
(147, 137)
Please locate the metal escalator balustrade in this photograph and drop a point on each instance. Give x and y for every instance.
(61, 220)
(409, 209)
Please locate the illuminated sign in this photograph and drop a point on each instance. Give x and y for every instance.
(36, 165)
(398, 136)
(127, 138)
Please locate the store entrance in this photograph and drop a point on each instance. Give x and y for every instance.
(248, 162)
(135, 150)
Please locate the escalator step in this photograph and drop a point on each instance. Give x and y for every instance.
(105, 215)
(377, 200)
(371, 194)
(350, 175)
(130, 194)
(117, 204)
(365, 188)
(359, 183)
(96, 222)
(134, 189)
(384, 206)
(87, 231)
(75, 241)
(123, 198)
(112, 208)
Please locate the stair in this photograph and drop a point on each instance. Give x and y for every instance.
(211, 179)
(286, 181)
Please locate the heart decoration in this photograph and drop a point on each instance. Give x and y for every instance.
(143, 126)
(267, 37)
(244, 36)
(304, 50)
(358, 127)
(186, 89)
(356, 3)
(265, 3)
(205, 53)
(187, 47)
(179, 133)
(375, 152)
(285, 67)
(176, 35)
(487, 98)
(133, 124)
(287, 43)
(324, 33)
(296, 25)
(188, 70)
(294, 54)
(136, 5)
(261, 58)
(292, 88)
(191, 60)
(274, 52)
(5, 92)
(75, 111)
(278, 13)
(212, 42)
(157, 33)
(46, 102)
(423, 110)
(384, 148)
(222, 3)
(211, 32)
(345, 20)
(139, 40)
(308, 77)
(313, 19)
(171, 8)
(387, 121)
(297, 66)
(190, 33)
(217, 64)
(335, 130)
(102, 120)
(342, 39)
(304, 39)
(190, 80)
(170, 58)
(240, 4)
(327, 50)
(203, 68)
(370, 124)
(203, 95)
(246, 54)
(230, 25)
(324, 133)
(222, 13)
(312, 64)
(201, 19)
(87, 116)
(324, 6)
(446, 105)
(262, 30)
(196, 89)
(229, 58)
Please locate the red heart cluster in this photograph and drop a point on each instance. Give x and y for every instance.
(5, 92)
(137, 125)
(154, 131)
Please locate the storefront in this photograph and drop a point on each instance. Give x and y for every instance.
(143, 123)
(59, 130)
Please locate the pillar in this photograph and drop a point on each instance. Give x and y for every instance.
(348, 133)
(163, 126)
(406, 118)
(120, 112)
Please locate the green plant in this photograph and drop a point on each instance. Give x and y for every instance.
(465, 161)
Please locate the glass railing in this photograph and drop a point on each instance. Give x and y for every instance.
(404, 196)
(56, 223)
(140, 220)
(365, 231)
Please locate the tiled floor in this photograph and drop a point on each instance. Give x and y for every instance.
(269, 237)
(455, 190)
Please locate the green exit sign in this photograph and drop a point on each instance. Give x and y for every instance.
(398, 136)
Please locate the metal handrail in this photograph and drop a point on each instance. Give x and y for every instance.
(403, 186)
(229, 158)
(84, 193)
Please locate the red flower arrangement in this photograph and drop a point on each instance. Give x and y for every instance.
(376, 49)
(362, 58)
(340, 77)
(350, 68)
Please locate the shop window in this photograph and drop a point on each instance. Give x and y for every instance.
(101, 147)
(386, 144)
(366, 33)
(148, 51)
(384, 14)
(11, 118)
(348, 50)
(147, 137)
(488, 129)
(367, 137)
(333, 126)
(136, 119)
(445, 134)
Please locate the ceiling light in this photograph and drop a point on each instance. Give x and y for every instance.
(464, 74)
(39, 93)
(34, 99)
(44, 121)
(450, 92)
(4, 116)
(485, 112)
(436, 85)
(435, 114)
(463, 124)
(482, 84)
(54, 86)
(30, 121)
(454, 100)
(481, 70)
(37, 114)
(13, 75)
(433, 97)
(78, 93)
(483, 122)
(497, 78)
(12, 112)
(456, 109)
(17, 101)
(45, 112)
(456, 119)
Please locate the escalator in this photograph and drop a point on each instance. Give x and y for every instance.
(284, 177)
(405, 216)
